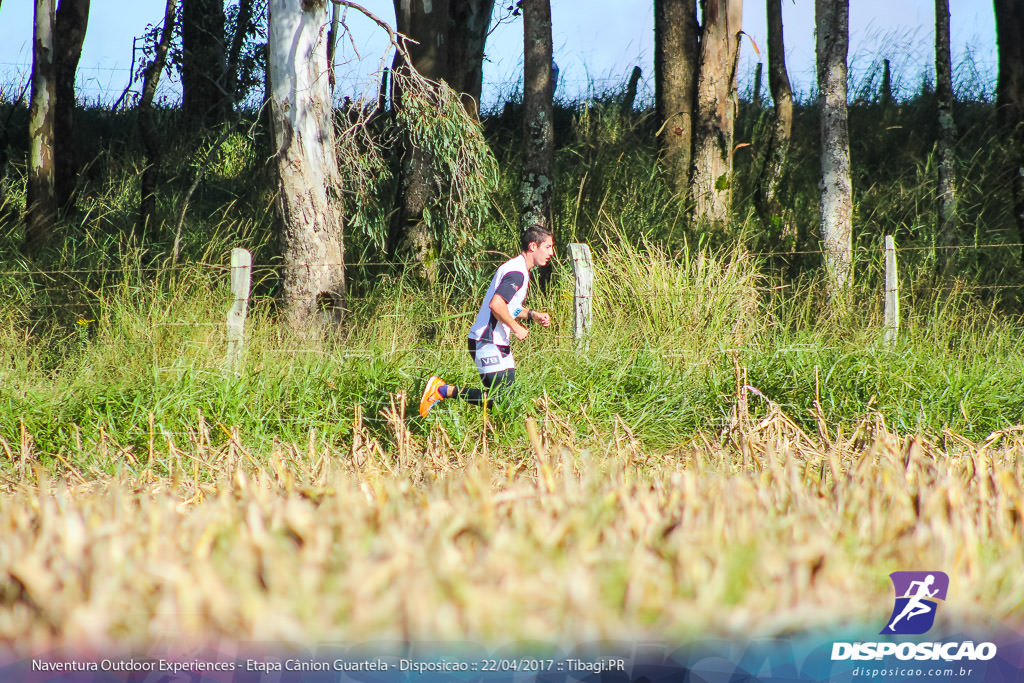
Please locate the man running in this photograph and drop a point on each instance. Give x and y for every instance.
(496, 323)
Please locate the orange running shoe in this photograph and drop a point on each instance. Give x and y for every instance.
(431, 395)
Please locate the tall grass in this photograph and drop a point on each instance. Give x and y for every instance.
(103, 336)
(143, 354)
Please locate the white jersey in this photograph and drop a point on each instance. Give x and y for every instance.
(510, 283)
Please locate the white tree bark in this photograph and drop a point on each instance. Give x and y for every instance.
(41, 198)
(716, 110)
(311, 228)
(947, 225)
(832, 20)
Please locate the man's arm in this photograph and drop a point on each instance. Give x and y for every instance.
(499, 307)
(536, 316)
(533, 315)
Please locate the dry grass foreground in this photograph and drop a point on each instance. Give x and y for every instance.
(763, 529)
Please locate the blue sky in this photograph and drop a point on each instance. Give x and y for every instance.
(597, 42)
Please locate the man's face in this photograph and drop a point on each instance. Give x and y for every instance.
(545, 250)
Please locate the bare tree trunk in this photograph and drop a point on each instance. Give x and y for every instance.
(755, 100)
(676, 40)
(204, 100)
(69, 33)
(410, 237)
(631, 86)
(947, 228)
(832, 26)
(781, 126)
(538, 131)
(885, 96)
(332, 43)
(468, 33)
(243, 27)
(308, 199)
(147, 125)
(384, 92)
(711, 182)
(1010, 94)
(41, 198)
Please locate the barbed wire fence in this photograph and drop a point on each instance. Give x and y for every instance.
(229, 334)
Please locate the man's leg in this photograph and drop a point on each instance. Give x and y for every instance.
(497, 372)
(497, 385)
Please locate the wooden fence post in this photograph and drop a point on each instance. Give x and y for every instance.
(892, 292)
(583, 272)
(241, 277)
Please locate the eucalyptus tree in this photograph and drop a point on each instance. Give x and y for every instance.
(695, 68)
(308, 206)
(676, 43)
(780, 128)
(1010, 94)
(147, 123)
(41, 209)
(713, 131)
(446, 48)
(203, 62)
(946, 191)
(832, 21)
(537, 178)
(72, 20)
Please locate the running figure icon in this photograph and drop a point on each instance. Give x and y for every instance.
(916, 605)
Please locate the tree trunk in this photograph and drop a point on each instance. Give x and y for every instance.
(450, 37)
(332, 44)
(468, 32)
(147, 126)
(1010, 38)
(308, 200)
(676, 40)
(631, 86)
(41, 199)
(243, 27)
(538, 174)
(1010, 94)
(711, 182)
(69, 33)
(947, 224)
(781, 126)
(203, 69)
(410, 237)
(836, 208)
(538, 132)
(885, 96)
(755, 100)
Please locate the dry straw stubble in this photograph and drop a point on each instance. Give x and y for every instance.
(764, 529)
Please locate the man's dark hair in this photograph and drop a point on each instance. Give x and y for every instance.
(534, 233)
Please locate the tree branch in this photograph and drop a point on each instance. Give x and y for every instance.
(399, 40)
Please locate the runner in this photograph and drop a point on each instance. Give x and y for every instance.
(496, 324)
